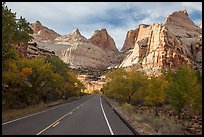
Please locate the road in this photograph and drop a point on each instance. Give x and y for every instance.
(90, 115)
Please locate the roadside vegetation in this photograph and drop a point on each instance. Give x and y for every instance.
(180, 90)
(30, 82)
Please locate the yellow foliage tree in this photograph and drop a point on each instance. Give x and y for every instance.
(155, 94)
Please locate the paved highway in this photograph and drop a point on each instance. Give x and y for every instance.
(90, 115)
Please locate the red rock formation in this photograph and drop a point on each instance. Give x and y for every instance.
(102, 39)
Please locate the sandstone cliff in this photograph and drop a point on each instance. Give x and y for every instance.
(166, 45)
(131, 38)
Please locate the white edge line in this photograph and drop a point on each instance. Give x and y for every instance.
(111, 131)
(25, 117)
(31, 115)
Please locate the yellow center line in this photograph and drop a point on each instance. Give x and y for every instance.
(56, 124)
(57, 121)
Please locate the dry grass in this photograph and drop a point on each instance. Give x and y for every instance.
(9, 114)
(147, 123)
(128, 107)
(161, 125)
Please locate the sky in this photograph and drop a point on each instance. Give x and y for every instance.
(116, 17)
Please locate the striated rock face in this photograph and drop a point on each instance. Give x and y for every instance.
(102, 39)
(131, 38)
(42, 33)
(166, 45)
(33, 50)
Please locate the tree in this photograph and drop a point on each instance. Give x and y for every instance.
(136, 81)
(123, 85)
(23, 31)
(156, 92)
(8, 32)
(184, 89)
(14, 31)
(58, 66)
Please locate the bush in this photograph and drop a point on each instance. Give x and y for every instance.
(184, 89)
(127, 107)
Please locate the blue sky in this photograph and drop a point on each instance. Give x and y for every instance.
(116, 17)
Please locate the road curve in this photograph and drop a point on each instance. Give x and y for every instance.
(90, 115)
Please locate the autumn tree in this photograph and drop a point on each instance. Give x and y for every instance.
(124, 85)
(184, 89)
(136, 82)
(155, 95)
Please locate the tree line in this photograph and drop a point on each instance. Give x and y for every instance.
(28, 82)
(180, 88)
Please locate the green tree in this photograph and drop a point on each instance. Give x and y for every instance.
(8, 32)
(14, 31)
(136, 82)
(184, 89)
(124, 85)
(58, 65)
(23, 31)
(156, 92)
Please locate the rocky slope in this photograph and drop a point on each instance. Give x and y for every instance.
(42, 33)
(167, 45)
(33, 50)
(74, 49)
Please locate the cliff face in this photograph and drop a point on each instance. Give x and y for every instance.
(166, 45)
(131, 38)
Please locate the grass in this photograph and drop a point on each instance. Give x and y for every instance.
(147, 123)
(127, 107)
(9, 114)
(160, 124)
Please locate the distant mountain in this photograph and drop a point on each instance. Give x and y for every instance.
(149, 47)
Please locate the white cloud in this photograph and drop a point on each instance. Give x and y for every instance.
(64, 17)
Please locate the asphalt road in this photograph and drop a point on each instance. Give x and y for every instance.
(90, 115)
